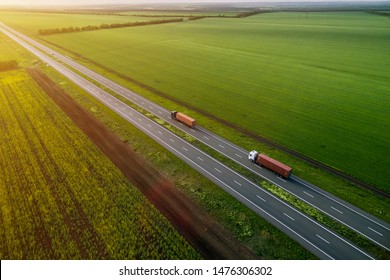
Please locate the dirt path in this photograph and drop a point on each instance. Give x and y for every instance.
(202, 232)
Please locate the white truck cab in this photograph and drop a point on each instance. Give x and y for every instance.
(252, 155)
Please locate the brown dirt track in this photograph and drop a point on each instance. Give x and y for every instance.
(202, 232)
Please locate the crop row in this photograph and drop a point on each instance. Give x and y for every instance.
(61, 198)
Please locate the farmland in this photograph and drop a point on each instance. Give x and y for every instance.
(314, 82)
(61, 198)
(54, 20)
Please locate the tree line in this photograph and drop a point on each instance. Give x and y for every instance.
(103, 26)
(380, 13)
(8, 65)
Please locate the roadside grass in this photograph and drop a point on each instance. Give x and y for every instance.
(10, 51)
(61, 197)
(7, 52)
(316, 84)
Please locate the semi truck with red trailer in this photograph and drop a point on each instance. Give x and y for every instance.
(270, 163)
(183, 118)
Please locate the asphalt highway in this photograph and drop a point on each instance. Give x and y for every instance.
(315, 237)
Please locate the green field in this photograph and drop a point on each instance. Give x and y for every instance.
(30, 23)
(61, 198)
(314, 82)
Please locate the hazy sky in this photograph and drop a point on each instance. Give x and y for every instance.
(91, 2)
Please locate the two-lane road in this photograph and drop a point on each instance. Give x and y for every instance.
(315, 237)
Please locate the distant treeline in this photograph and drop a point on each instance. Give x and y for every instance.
(8, 65)
(252, 13)
(380, 13)
(196, 17)
(192, 17)
(103, 26)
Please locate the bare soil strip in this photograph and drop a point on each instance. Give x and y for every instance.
(201, 231)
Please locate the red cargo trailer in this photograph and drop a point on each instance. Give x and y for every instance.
(270, 163)
(274, 165)
(183, 118)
